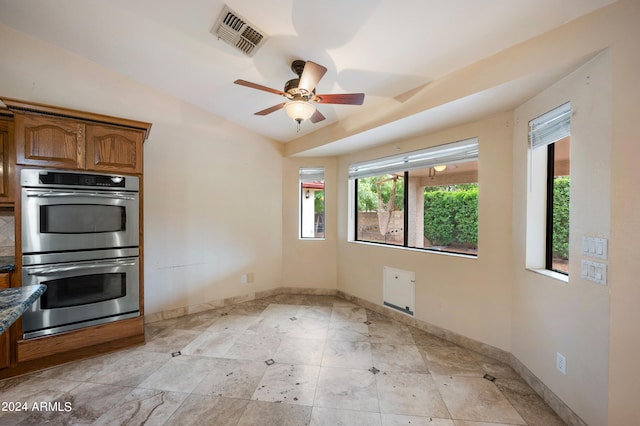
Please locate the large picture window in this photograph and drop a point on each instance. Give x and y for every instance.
(423, 199)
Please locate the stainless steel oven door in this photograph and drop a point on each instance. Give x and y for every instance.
(56, 220)
(80, 294)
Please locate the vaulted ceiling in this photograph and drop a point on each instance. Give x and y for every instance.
(384, 48)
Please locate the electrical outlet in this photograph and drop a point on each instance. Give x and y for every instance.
(243, 279)
(561, 363)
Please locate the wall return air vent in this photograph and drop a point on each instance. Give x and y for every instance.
(236, 31)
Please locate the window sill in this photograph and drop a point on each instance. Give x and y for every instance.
(311, 239)
(419, 250)
(551, 274)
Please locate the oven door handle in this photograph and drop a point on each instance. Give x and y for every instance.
(48, 270)
(56, 194)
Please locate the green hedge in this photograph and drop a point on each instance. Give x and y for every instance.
(561, 216)
(451, 215)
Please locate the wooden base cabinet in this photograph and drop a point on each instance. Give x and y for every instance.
(5, 357)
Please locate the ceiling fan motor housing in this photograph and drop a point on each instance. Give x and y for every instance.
(291, 87)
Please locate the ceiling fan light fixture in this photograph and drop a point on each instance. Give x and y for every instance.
(299, 110)
(440, 168)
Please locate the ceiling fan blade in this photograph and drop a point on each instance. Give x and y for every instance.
(343, 98)
(311, 75)
(317, 116)
(270, 109)
(259, 87)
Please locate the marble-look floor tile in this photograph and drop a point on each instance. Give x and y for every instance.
(277, 310)
(332, 417)
(180, 374)
(349, 314)
(293, 384)
(413, 394)
(322, 375)
(130, 368)
(232, 378)
(169, 340)
(200, 321)
(83, 405)
(253, 308)
(527, 403)
(497, 369)
(469, 423)
(309, 328)
(299, 351)
(377, 317)
(319, 300)
(451, 360)
(421, 337)
(232, 324)
(29, 391)
(349, 331)
(211, 344)
(405, 358)
(476, 399)
(254, 345)
(322, 313)
(147, 407)
(347, 389)
(270, 414)
(274, 325)
(199, 410)
(287, 299)
(344, 354)
(400, 420)
(392, 333)
(80, 371)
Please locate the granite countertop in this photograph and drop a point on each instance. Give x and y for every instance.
(14, 301)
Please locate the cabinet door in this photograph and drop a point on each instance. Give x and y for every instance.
(6, 162)
(48, 141)
(4, 337)
(114, 149)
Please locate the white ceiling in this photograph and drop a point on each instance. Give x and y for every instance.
(383, 48)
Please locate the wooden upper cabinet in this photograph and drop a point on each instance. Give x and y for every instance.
(64, 138)
(49, 141)
(111, 148)
(6, 161)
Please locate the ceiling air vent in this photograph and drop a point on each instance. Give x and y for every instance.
(236, 31)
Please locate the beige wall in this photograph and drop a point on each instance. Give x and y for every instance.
(551, 315)
(213, 191)
(308, 263)
(466, 295)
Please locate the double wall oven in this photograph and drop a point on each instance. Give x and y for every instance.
(80, 238)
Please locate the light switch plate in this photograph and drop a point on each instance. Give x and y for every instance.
(594, 247)
(594, 271)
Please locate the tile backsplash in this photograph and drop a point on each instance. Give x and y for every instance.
(7, 234)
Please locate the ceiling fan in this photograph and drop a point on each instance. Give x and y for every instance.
(301, 93)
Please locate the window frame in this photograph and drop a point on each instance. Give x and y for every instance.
(424, 161)
(545, 131)
(317, 174)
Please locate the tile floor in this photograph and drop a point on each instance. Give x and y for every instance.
(285, 360)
